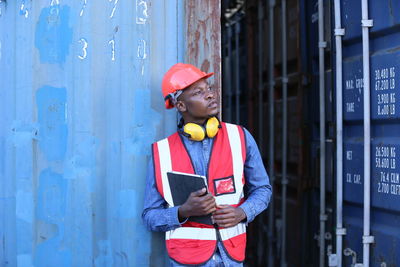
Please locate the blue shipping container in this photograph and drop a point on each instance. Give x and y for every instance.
(80, 104)
(385, 129)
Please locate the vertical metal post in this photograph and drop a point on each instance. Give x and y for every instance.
(237, 76)
(271, 82)
(260, 77)
(229, 75)
(284, 131)
(322, 45)
(367, 238)
(340, 231)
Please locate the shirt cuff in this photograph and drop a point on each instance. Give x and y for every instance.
(174, 216)
(249, 211)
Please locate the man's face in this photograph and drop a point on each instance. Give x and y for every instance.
(198, 102)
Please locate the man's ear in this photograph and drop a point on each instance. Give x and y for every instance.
(180, 106)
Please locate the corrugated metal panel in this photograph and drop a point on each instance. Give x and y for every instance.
(385, 128)
(203, 37)
(80, 105)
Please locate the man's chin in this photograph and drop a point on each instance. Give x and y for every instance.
(213, 114)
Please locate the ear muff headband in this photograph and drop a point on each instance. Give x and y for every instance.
(197, 132)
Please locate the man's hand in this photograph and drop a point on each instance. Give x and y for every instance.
(228, 216)
(197, 204)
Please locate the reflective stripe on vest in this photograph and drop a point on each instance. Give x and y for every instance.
(196, 245)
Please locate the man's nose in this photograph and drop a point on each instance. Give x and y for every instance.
(210, 94)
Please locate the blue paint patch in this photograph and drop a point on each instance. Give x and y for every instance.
(127, 201)
(105, 254)
(51, 105)
(24, 260)
(24, 237)
(24, 206)
(82, 164)
(51, 253)
(144, 132)
(53, 35)
(52, 192)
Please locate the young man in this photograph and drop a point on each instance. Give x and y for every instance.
(238, 185)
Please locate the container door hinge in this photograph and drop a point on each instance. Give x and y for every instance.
(339, 32)
(368, 239)
(341, 231)
(333, 260)
(367, 23)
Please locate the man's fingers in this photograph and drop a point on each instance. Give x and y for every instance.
(224, 209)
(199, 193)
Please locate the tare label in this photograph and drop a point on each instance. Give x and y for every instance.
(353, 86)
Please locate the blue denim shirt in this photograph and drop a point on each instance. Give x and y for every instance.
(158, 217)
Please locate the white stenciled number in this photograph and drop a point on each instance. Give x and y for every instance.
(84, 48)
(112, 43)
(23, 11)
(141, 12)
(54, 2)
(141, 50)
(84, 2)
(114, 7)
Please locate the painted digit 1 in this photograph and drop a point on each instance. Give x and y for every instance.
(112, 43)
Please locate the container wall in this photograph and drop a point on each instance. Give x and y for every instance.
(385, 128)
(80, 104)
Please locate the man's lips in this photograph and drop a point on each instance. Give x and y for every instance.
(213, 104)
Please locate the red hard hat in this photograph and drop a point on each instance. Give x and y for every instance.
(179, 77)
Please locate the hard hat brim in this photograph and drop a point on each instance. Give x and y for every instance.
(168, 102)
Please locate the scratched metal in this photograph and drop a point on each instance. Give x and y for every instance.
(203, 37)
(80, 104)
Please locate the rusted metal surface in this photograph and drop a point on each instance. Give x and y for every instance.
(203, 37)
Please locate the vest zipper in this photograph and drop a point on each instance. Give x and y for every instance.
(218, 233)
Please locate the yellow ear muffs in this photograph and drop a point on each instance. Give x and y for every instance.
(196, 132)
(212, 127)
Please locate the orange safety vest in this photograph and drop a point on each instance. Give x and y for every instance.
(195, 243)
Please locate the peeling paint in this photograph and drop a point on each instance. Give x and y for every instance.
(144, 132)
(25, 260)
(52, 193)
(53, 35)
(51, 105)
(51, 253)
(105, 254)
(82, 109)
(24, 206)
(125, 208)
